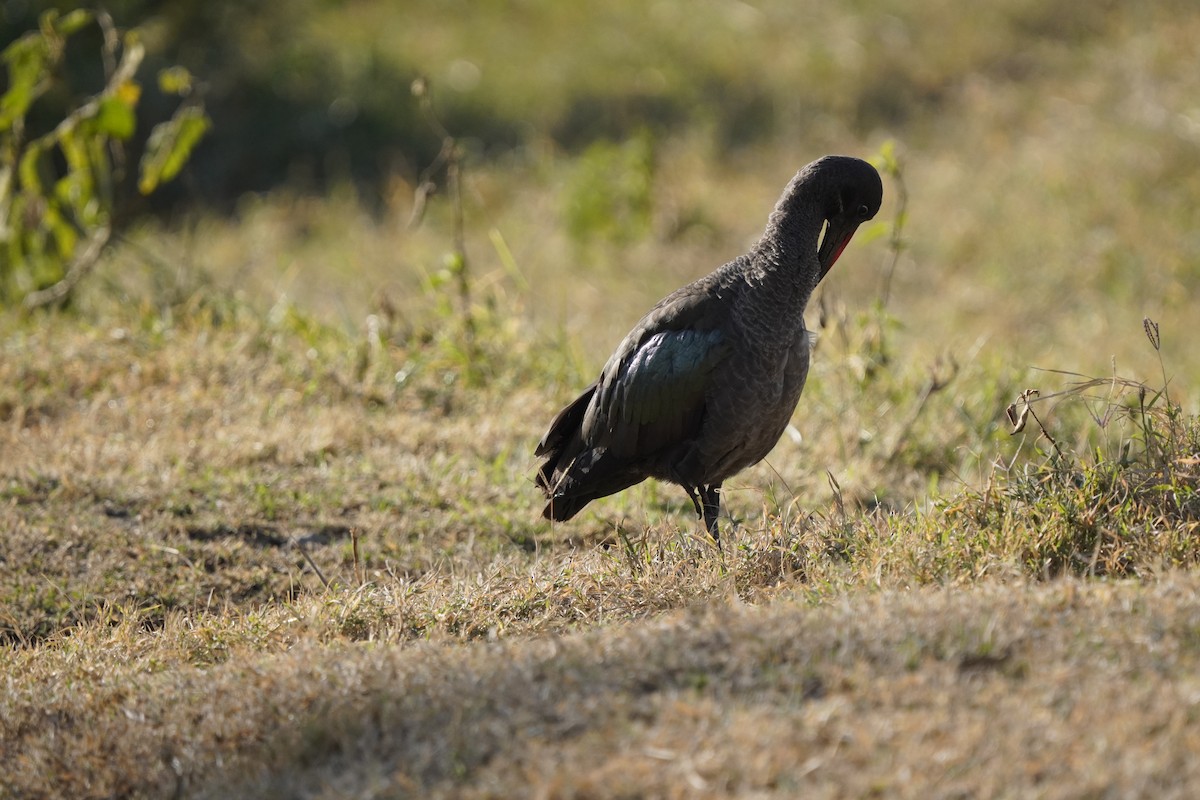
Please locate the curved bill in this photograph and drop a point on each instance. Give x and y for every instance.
(837, 235)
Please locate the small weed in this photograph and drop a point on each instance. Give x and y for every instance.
(1118, 510)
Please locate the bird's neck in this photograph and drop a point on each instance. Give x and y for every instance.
(779, 274)
(785, 258)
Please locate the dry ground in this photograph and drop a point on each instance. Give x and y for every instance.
(1002, 689)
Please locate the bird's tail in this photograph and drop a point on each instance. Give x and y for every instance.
(574, 474)
(561, 509)
(589, 475)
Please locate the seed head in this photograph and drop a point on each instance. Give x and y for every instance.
(1151, 328)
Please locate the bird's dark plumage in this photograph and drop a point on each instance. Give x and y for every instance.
(705, 384)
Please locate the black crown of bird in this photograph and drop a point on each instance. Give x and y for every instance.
(707, 381)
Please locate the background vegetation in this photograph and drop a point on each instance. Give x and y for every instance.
(268, 519)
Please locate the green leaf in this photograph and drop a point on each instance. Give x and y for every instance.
(28, 171)
(29, 46)
(876, 230)
(887, 160)
(169, 147)
(73, 146)
(66, 238)
(73, 21)
(27, 60)
(116, 118)
(175, 80)
(47, 21)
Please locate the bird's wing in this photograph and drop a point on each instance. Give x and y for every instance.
(651, 393)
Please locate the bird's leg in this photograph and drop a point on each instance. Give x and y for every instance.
(712, 507)
(694, 493)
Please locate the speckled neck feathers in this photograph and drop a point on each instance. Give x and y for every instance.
(775, 279)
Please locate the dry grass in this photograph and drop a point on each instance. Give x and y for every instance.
(166, 633)
(1002, 689)
(269, 526)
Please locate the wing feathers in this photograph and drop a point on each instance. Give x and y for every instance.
(655, 397)
(649, 398)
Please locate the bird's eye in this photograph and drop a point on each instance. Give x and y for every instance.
(863, 211)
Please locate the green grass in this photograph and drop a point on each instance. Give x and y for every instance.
(269, 524)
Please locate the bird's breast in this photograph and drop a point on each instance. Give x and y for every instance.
(751, 405)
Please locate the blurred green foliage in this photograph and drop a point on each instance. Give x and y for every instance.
(312, 92)
(610, 191)
(282, 111)
(59, 195)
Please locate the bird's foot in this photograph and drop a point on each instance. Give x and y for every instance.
(711, 509)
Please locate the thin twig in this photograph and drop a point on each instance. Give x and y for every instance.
(81, 265)
(304, 552)
(838, 501)
(131, 59)
(1045, 432)
(1017, 417)
(896, 240)
(936, 382)
(450, 158)
(358, 571)
(108, 53)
